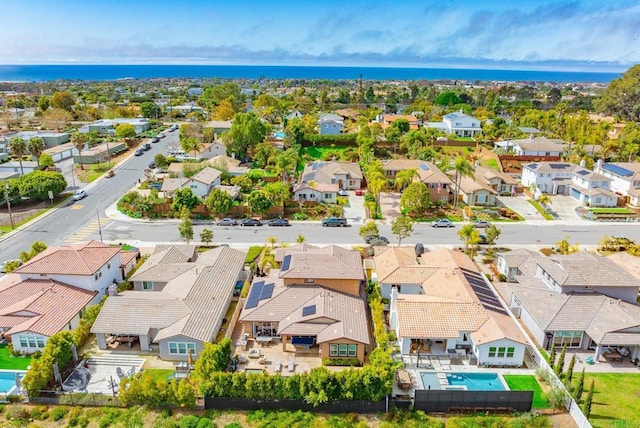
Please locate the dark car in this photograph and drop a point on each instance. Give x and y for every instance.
(334, 222)
(227, 222)
(443, 222)
(155, 139)
(152, 165)
(372, 238)
(279, 222)
(482, 224)
(139, 152)
(483, 240)
(251, 222)
(146, 146)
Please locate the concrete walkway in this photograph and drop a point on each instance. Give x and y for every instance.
(521, 205)
(354, 212)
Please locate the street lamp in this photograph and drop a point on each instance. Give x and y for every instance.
(6, 195)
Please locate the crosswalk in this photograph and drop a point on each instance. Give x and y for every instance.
(89, 231)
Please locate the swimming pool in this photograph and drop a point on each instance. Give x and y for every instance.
(279, 135)
(463, 381)
(8, 381)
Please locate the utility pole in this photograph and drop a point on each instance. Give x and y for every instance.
(6, 195)
(99, 225)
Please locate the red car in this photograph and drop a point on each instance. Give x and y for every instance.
(358, 192)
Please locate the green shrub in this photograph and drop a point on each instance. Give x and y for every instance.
(350, 362)
(59, 413)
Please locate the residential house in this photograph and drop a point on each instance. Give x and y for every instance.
(200, 184)
(441, 305)
(318, 192)
(108, 126)
(330, 124)
(184, 109)
(228, 164)
(346, 175)
(457, 123)
(625, 179)
(13, 167)
(313, 303)
(484, 186)
(539, 146)
(592, 189)
(387, 119)
(437, 182)
(50, 138)
(34, 309)
(177, 304)
(219, 126)
(581, 300)
(209, 151)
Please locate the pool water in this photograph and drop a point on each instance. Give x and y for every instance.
(8, 380)
(464, 381)
(279, 135)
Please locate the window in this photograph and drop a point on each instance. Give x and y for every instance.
(32, 342)
(308, 280)
(194, 186)
(180, 348)
(108, 265)
(328, 196)
(96, 277)
(510, 352)
(23, 342)
(147, 285)
(570, 338)
(343, 350)
(492, 352)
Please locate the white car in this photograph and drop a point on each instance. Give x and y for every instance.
(342, 192)
(79, 194)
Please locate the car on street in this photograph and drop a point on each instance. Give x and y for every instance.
(152, 165)
(227, 222)
(79, 194)
(161, 136)
(482, 224)
(146, 146)
(3, 266)
(251, 222)
(483, 240)
(342, 192)
(334, 222)
(279, 222)
(155, 140)
(138, 152)
(443, 222)
(371, 239)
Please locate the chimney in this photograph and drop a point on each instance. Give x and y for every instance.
(599, 164)
(393, 313)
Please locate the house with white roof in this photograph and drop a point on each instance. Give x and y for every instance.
(50, 138)
(457, 123)
(178, 302)
(108, 126)
(330, 124)
(442, 306)
(582, 300)
(312, 302)
(539, 146)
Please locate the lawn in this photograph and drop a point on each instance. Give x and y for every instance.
(157, 374)
(528, 383)
(541, 210)
(9, 362)
(610, 211)
(615, 398)
(320, 152)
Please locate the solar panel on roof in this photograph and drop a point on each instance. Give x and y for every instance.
(308, 310)
(286, 262)
(424, 166)
(584, 172)
(533, 166)
(254, 295)
(617, 170)
(267, 292)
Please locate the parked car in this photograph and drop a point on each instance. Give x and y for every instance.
(3, 266)
(146, 146)
(79, 194)
(155, 139)
(139, 152)
(227, 222)
(279, 222)
(483, 240)
(358, 192)
(334, 222)
(482, 224)
(251, 222)
(152, 165)
(161, 136)
(443, 222)
(370, 239)
(342, 192)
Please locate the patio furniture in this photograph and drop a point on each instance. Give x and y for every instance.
(264, 340)
(277, 367)
(292, 366)
(403, 379)
(612, 356)
(262, 360)
(588, 360)
(243, 341)
(120, 373)
(254, 353)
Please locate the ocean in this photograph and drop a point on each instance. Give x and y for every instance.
(41, 73)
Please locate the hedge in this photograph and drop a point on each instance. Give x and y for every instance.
(330, 139)
(350, 362)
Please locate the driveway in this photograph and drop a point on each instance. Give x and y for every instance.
(390, 206)
(520, 205)
(565, 207)
(354, 210)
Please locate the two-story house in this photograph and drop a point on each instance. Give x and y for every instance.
(437, 182)
(458, 123)
(581, 300)
(330, 124)
(625, 179)
(312, 302)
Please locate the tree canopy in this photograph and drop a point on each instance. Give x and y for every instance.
(622, 96)
(37, 184)
(246, 131)
(219, 202)
(402, 227)
(415, 198)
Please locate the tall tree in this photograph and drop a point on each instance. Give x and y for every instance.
(622, 96)
(79, 140)
(463, 169)
(36, 147)
(18, 148)
(402, 227)
(246, 131)
(405, 177)
(586, 407)
(258, 202)
(219, 202)
(125, 131)
(63, 100)
(416, 198)
(471, 237)
(184, 198)
(185, 228)
(580, 388)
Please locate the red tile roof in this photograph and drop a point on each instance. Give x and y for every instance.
(41, 306)
(76, 259)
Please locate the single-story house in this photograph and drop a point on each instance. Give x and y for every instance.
(347, 175)
(13, 167)
(318, 192)
(176, 306)
(200, 184)
(217, 148)
(108, 126)
(50, 138)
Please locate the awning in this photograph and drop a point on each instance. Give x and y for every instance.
(303, 340)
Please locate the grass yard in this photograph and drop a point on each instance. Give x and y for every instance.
(492, 163)
(320, 152)
(157, 374)
(9, 362)
(541, 210)
(610, 211)
(528, 383)
(616, 398)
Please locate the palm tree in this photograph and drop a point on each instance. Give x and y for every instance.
(272, 240)
(463, 169)
(18, 148)
(405, 177)
(79, 140)
(300, 239)
(544, 199)
(36, 146)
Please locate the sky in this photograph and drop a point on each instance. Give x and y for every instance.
(580, 35)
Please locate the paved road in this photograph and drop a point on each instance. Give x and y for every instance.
(82, 220)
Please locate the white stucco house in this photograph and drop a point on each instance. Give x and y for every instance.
(457, 123)
(200, 184)
(441, 305)
(330, 124)
(320, 192)
(625, 178)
